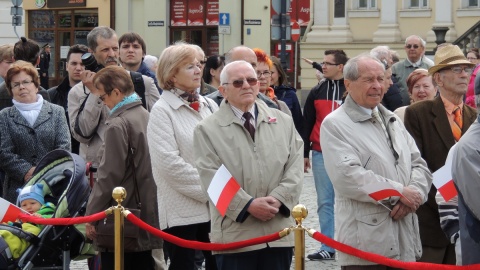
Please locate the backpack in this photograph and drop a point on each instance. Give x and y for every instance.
(139, 86)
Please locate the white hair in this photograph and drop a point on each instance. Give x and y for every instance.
(224, 75)
(151, 61)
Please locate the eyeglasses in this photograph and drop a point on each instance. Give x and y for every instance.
(328, 64)
(458, 70)
(203, 62)
(409, 46)
(239, 83)
(102, 97)
(25, 83)
(471, 58)
(265, 74)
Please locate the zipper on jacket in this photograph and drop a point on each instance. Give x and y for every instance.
(254, 147)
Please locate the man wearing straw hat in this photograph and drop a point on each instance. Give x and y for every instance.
(436, 125)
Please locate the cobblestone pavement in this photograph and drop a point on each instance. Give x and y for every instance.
(309, 199)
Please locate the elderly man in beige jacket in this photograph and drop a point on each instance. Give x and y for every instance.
(264, 153)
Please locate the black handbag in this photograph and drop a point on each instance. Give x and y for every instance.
(106, 228)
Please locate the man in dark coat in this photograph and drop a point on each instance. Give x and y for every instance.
(44, 65)
(436, 125)
(59, 94)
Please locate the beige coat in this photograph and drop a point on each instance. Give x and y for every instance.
(272, 165)
(127, 126)
(356, 153)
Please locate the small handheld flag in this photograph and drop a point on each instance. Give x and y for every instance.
(222, 189)
(8, 211)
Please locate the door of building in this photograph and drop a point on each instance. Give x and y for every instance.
(205, 37)
(60, 29)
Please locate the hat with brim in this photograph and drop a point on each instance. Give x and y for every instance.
(46, 45)
(447, 56)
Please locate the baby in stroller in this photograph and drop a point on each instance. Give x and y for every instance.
(60, 177)
(31, 200)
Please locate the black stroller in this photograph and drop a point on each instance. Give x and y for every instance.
(65, 184)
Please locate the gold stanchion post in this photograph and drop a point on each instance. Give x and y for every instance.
(119, 194)
(299, 213)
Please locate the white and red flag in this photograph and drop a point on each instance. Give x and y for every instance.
(8, 211)
(442, 178)
(381, 190)
(222, 189)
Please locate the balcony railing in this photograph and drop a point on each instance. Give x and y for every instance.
(470, 39)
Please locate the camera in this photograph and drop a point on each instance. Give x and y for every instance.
(88, 60)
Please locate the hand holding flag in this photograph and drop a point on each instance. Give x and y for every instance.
(222, 189)
(442, 178)
(8, 211)
(380, 191)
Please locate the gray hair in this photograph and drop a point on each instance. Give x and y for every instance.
(151, 61)
(381, 53)
(104, 32)
(224, 75)
(350, 70)
(415, 36)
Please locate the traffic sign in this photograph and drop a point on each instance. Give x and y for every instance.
(295, 31)
(224, 18)
(224, 29)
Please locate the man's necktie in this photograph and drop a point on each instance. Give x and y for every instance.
(457, 124)
(248, 125)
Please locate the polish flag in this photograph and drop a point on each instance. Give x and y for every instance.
(380, 191)
(8, 211)
(222, 189)
(442, 178)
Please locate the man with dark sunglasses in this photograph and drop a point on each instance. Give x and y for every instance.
(415, 50)
(239, 136)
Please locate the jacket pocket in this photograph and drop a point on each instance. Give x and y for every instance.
(377, 234)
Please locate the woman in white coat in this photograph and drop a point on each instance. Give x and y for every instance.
(182, 204)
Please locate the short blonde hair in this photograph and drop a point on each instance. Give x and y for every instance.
(170, 61)
(6, 52)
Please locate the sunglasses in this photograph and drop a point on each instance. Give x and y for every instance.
(409, 46)
(239, 83)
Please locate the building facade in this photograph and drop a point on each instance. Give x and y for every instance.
(218, 25)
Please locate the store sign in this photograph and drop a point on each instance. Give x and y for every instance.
(299, 11)
(178, 13)
(212, 12)
(66, 3)
(156, 23)
(252, 22)
(195, 12)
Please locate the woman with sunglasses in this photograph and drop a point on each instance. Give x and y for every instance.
(264, 75)
(30, 129)
(182, 204)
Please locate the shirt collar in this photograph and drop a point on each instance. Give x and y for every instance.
(239, 113)
(450, 107)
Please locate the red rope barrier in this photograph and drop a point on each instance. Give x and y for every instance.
(62, 221)
(372, 257)
(201, 245)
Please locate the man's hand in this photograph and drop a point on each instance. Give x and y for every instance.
(306, 165)
(307, 60)
(399, 211)
(87, 80)
(90, 231)
(262, 209)
(411, 198)
(29, 174)
(273, 202)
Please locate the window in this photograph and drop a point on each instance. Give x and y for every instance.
(367, 4)
(473, 3)
(339, 9)
(418, 3)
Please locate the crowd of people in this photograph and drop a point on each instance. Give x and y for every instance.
(162, 127)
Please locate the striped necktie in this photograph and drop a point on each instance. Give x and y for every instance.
(457, 124)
